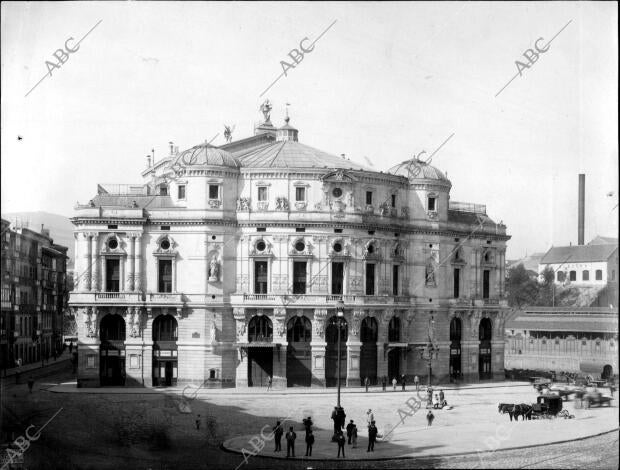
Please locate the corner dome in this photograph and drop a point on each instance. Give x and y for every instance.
(415, 169)
(205, 155)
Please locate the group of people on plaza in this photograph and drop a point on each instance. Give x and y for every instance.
(403, 382)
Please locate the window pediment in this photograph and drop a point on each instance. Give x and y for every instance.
(112, 246)
(339, 177)
(166, 247)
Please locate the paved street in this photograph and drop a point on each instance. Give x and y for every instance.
(117, 431)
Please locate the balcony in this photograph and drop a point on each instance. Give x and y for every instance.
(316, 299)
(164, 299)
(461, 302)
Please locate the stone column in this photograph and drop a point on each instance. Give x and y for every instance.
(241, 376)
(279, 352)
(138, 264)
(130, 270)
(353, 350)
(97, 271)
(147, 351)
(318, 345)
(87, 258)
(382, 339)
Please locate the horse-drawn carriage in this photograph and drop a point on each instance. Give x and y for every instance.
(549, 406)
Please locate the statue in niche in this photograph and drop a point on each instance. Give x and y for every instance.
(214, 270)
(213, 332)
(431, 265)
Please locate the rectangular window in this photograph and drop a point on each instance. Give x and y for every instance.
(165, 275)
(585, 276)
(337, 278)
(395, 272)
(299, 277)
(431, 204)
(573, 275)
(181, 191)
(485, 283)
(260, 277)
(369, 197)
(337, 230)
(370, 279)
(599, 275)
(163, 190)
(262, 193)
(561, 276)
(300, 229)
(457, 282)
(261, 229)
(90, 361)
(214, 191)
(300, 194)
(393, 200)
(112, 275)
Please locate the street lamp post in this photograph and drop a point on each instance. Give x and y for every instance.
(429, 350)
(339, 318)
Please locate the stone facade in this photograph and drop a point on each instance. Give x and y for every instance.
(244, 250)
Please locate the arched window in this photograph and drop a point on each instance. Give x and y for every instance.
(165, 328)
(485, 330)
(112, 328)
(561, 276)
(260, 329)
(573, 275)
(394, 330)
(369, 330)
(331, 332)
(298, 330)
(455, 329)
(585, 275)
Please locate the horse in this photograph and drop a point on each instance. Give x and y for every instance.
(507, 408)
(524, 410)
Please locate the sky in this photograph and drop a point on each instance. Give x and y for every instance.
(383, 83)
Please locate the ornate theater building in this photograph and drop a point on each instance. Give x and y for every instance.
(225, 265)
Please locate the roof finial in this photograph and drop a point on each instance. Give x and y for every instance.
(287, 118)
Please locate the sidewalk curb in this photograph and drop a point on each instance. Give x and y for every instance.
(437, 456)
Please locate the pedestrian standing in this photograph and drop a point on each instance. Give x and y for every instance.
(198, 422)
(430, 417)
(350, 431)
(309, 443)
(402, 380)
(308, 425)
(367, 383)
(341, 418)
(70, 347)
(290, 443)
(416, 381)
(394, 384)
(384, 382)
(30, 383)
(341, 440)
(18, 365)
(269, 382)
(369, 417)
(335, 419)
(372, 437)
(277, 433)
(441, 397)
(354, 436)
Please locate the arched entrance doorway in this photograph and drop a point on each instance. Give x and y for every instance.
(368, 353)
(260, 356)
(298, 352)
(485, 334)
(331, 352)
(112, 351)
(608, 372)
(455, 348)
(394, 355)
(165, 357)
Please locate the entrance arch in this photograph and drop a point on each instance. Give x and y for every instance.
(299, 352)
(112, 351)
(260, 356)
(607, 372)
(485, 334)
(331, 352)
(368, 352)
(165, 357)
(455, 348)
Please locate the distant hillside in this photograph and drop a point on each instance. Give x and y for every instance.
(60, 227)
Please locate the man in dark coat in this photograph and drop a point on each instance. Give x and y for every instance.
(309, 443)
(350, 427)
(341, 440)
(372, 437)
(384, 382)
(290, 442)
(402, 381)
(335, 419)
(367, 383)
(277, 432)
(308, 425)
(341, 418)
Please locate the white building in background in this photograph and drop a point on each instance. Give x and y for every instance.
(225, 265)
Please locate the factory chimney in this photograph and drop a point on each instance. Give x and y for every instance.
(581, 208)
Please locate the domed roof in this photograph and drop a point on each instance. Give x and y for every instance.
(418, 169)
(205, 155)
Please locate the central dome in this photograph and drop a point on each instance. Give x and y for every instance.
(415, 169)
(205, 155)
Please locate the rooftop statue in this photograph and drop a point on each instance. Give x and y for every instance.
(265, 108)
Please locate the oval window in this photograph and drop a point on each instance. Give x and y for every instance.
(300, 246)
(371, 249)
(260, 246)
(113, 244)
(337, 247)
(165, 244)
(337, 192)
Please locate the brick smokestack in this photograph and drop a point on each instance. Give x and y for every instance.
(581, 208)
